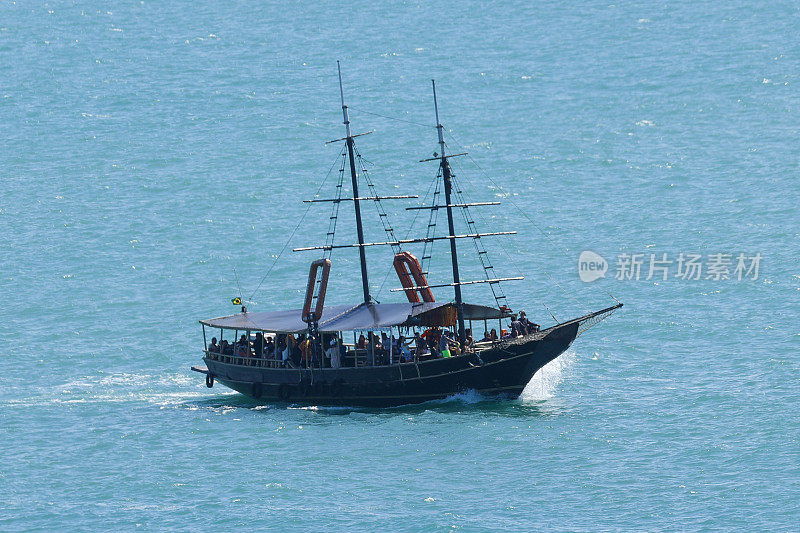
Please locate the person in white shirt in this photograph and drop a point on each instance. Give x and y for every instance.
(402, 348)
(333, 353)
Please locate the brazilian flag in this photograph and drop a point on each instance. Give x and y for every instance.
(236, 301)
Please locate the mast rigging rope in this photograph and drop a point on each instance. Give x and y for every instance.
(392, 118)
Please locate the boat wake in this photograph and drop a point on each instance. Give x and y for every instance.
(541, 387)
(468, 397)
(165, 390)
(181, 390)
(545, 382)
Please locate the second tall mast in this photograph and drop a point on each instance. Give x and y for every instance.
(448, 187)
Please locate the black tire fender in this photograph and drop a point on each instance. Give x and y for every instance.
(209, 380)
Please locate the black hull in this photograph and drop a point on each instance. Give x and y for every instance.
(505, 370)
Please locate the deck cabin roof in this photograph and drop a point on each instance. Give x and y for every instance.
(357, 317)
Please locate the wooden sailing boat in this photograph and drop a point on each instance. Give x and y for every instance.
(336, 371)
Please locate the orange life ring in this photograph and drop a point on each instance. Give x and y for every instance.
(413, 279)
(325, 264)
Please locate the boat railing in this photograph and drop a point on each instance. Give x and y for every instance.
(354, 358)
(244, 361)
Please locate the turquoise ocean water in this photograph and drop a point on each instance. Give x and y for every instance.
(149, 148)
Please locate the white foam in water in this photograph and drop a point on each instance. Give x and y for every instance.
(320, 408)
(161, 390)
(176, 389)
(545, 383)
(469, 396)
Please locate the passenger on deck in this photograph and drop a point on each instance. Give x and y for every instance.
(292, 351)
(523, 327)
(486, 337)
(226, 348)
(362, 342)
(468, 340)
(372, 349)
(385, 341)
(381, 350)
(444, 343)
(494, 335)
(269, 349)
(280, 349)
(432, 337)
(258, 346)
(304, 345)
(532, 327)
(456, 347)
(243, 347)
(395, 353)
(402, 350)
(436, 349)
(333, 353)
(420, 347)
(517, 329)
(213, 347)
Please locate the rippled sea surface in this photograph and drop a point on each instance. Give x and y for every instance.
(155, 152)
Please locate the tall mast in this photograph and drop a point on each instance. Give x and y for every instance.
(354, 179)
(448, 187)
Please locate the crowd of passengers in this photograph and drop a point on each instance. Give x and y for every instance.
(299, 351)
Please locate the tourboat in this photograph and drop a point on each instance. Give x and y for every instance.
(338, 357)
